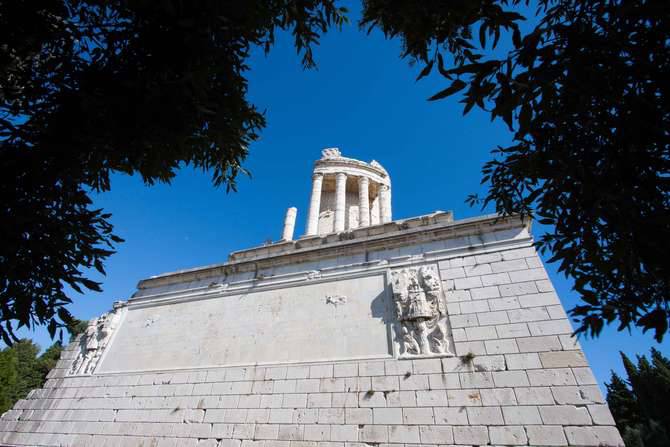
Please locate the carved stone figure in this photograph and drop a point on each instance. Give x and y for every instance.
(421, 312)
(94, 340)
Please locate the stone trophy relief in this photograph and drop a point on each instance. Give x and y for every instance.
(422, 313)
(94, 340)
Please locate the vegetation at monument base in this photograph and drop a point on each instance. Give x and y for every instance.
(23, 370)
(640, 404)
(153, 85)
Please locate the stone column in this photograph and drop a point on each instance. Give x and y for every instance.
(385, 203)
(374, 211)
(314, 205)
(363, 202)
(340, 200)
(289, 224)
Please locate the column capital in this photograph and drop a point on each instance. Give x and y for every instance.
(316, 175)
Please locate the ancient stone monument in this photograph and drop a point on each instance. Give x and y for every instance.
(365, 331)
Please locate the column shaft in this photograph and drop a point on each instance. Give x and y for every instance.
(289, 224)
(340, 200)
(314, 205)
(385, 203)
(363, 202)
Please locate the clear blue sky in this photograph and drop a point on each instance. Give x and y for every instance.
(363, 99)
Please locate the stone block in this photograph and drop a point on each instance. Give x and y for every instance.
(316, 432)
(371, 399)
(481, 333)
(531, 274)
(331, 416)
(495, 279)
(476, 380)
(471, 435)
(452, 273)
(464, 398)
(280, 416)
(266, 431)
(307, 385)
(489, 318)
(521, 415)
(530, 360)
(435, 434)
(387, 416)
(534, 396)
(470, 347)
(546, 435)
(565, 415)
(320, 371)
(451, 416)
(483, 293)
(296, 372)
(358, 415)
(577, 395)
(431, 398)
(600, 414)
(562, 359)
(509, 435)
(373, 433)
(539, 299)
(551, 377)
(504, 346)
(584, 376)
(498, 396)
(462, 321)
(371, 369)
(513, 330)
(469, 307)
(298, 400)
(306, 415)
(510, 302)
(404, 434)
(467, 283)
(417, 416)
(509, 266)
(344, 433)
(384, 383)
(427, 366)
(517, 289)
(506, 379)
(344, 400)
(484, 415)
(594, 436)
(291, 432)
(528, 314)
(444, 381)
(539, 344)
(414, 382)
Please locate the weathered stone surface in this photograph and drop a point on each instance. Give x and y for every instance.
(423, 332)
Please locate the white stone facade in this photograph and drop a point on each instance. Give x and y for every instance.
(417, 332)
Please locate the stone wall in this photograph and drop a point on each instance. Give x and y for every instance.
(518, 378)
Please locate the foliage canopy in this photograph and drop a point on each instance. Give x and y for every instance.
(90, 87)
(585, 91)
(639, 403)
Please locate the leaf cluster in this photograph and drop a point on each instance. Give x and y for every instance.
(585, 92)
(89, 88)
(638, 403)
(23, 370)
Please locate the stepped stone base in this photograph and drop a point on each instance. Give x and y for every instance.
(318, 343)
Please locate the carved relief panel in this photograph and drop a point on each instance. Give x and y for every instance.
(421, 311)
(96, 337)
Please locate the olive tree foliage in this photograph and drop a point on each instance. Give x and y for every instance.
(90, 87)
(584, 87)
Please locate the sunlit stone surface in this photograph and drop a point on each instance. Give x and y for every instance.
(423, 331)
